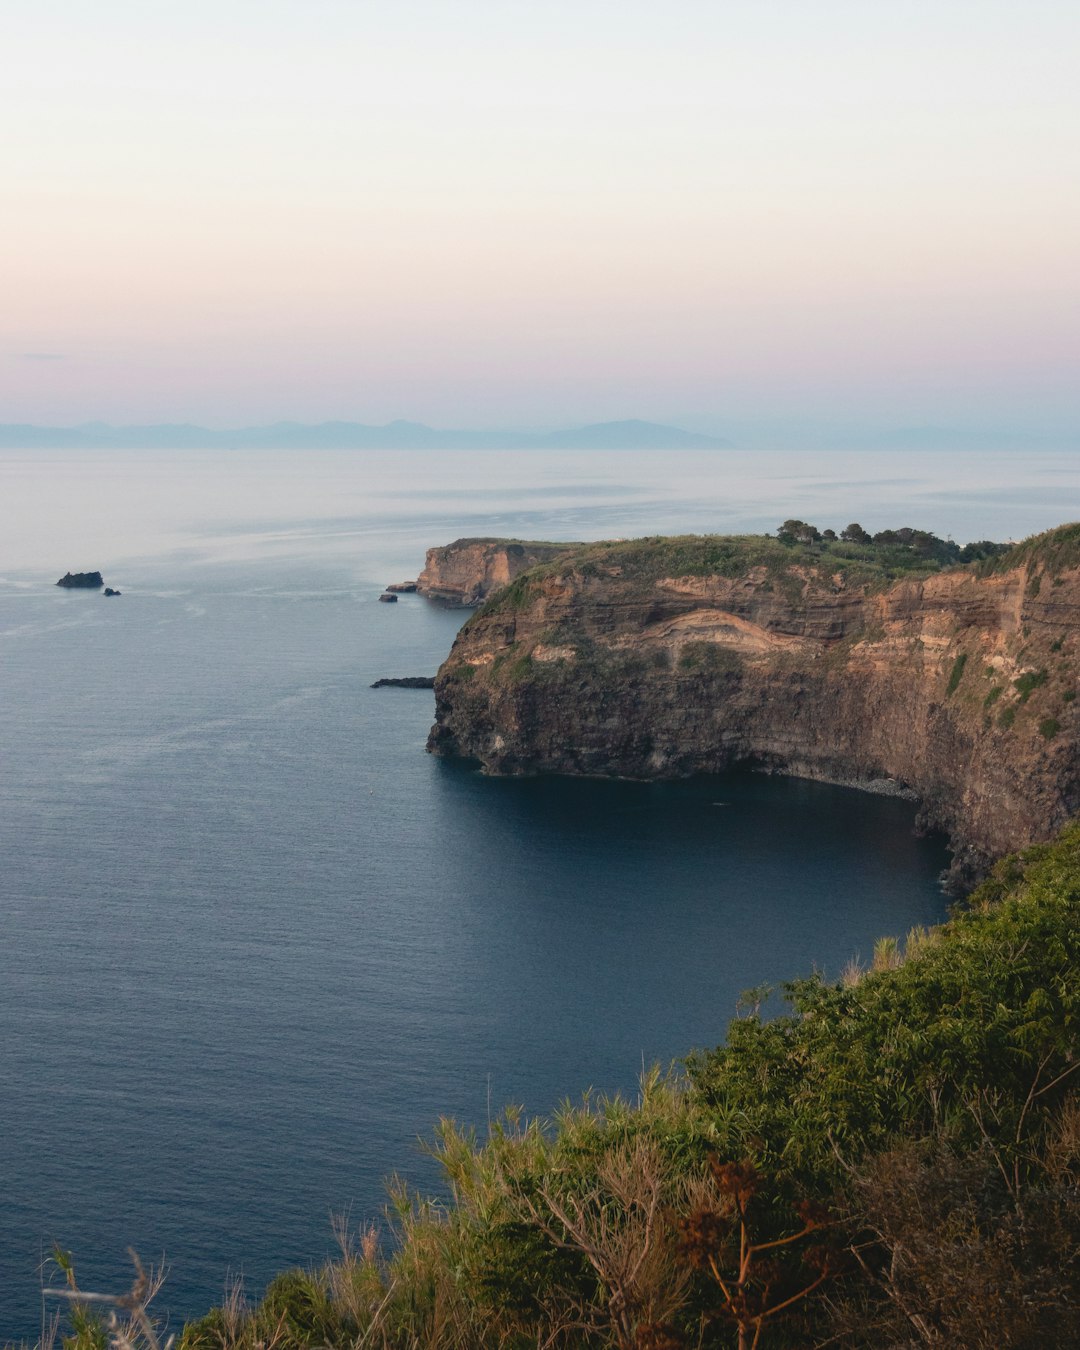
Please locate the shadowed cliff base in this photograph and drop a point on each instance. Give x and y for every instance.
(664, 657)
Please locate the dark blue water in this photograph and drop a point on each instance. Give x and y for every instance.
(254, 941)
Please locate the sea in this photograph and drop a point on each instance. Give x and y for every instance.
(255, 942)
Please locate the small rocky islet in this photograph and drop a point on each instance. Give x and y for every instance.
(82, 581)
(86, 581)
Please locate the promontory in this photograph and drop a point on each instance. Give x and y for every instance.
(663, 657)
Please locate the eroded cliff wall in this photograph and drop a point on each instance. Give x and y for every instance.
(467, 571)
(670, 657)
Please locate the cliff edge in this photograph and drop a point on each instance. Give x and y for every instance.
(667, 657)
(467, 571)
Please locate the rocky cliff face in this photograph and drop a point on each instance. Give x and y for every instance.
(671, 657)
(467, 571)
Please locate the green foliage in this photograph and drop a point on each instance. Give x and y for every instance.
(989, 1009)
(515, 596)
(798, 532)
(296, 1311)
(103, 1321)
(861, 560)
(894, 545)
(518, 668)
(992, 695)
(1006, 718)
(1068, 695)
(1026, 684)
(1054, 551)
(463, 672)
(1049, 728)
(912, 1124)
(855, 534)
(956, 674)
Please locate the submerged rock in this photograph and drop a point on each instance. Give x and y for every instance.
(88, 581)
(387, 599)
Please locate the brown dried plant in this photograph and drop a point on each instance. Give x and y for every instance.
(756, 1285)
(134, 1329)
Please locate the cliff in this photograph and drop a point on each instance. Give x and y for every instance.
(667, 657)
(465, 572)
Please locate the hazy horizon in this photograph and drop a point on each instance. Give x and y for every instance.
(480, 215)
(405, 432)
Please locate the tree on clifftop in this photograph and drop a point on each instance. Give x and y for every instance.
(798, 532)
(854, 534)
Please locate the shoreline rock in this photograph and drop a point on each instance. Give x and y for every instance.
(406, 682)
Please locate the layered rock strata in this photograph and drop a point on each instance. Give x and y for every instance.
(672, 657)
(467, 571)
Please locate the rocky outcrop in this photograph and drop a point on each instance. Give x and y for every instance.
(82, 581)
(467, 571)
(661, 658)
(406, 682)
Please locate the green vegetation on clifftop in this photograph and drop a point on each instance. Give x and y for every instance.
(861, 560)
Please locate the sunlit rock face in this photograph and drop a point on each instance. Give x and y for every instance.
(670, 657)
(467, 571)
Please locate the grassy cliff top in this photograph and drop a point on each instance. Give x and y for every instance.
(1056, 550)
(647, 560)
(484, 539)
(869, 564)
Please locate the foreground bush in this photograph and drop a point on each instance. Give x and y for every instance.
(895, 1162)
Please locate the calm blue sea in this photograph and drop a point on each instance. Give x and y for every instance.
(254, 941)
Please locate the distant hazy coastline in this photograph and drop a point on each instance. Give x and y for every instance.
(626, 435)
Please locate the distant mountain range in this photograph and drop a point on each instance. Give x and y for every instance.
(631, 435)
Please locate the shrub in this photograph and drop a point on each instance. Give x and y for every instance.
(906, 1138)
(1026, 684)
(956, 674)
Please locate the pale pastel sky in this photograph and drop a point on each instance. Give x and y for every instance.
(493, 212)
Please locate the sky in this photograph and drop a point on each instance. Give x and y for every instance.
(513, 213)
